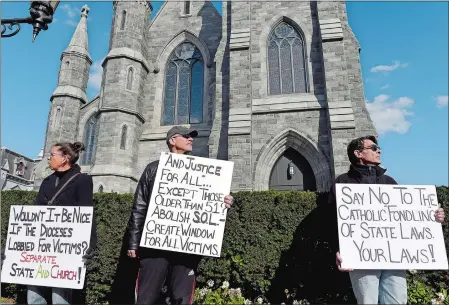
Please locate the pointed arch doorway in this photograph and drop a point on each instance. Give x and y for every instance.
(292, 172)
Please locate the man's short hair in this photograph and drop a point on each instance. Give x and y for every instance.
(357, 144)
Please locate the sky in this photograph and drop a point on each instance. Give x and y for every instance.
(404, 60)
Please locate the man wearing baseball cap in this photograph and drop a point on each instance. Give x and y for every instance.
(158, 265)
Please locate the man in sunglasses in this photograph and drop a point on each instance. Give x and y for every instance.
(159, 266)
(372, 286)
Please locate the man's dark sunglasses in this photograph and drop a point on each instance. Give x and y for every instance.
(372, 147)
(185, 136)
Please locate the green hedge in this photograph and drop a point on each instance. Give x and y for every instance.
(273, 241)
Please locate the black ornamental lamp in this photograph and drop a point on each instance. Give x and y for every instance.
(41, 14)
(291, 170)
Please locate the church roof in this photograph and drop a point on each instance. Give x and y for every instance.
(79, 43)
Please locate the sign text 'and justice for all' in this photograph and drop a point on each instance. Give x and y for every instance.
(186, 212)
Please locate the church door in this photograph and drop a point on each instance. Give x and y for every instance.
(292, 172)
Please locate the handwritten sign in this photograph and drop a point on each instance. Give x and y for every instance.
(45, 245)
(186, 211)
(389, 227)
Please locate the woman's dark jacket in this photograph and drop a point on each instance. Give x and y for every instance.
(78, 192)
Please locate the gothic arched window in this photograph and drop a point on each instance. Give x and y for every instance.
(123, 20)
(100, 189)
(123, 137)
(286, 60)
(89, 139)
(129, 79)
(183, 92)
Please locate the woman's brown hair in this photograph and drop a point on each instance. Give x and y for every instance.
(72, 150)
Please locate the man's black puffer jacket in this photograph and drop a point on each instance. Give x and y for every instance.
(140, 206)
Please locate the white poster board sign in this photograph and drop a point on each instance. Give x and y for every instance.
(186, 212)
(389, 227)
(45, 245)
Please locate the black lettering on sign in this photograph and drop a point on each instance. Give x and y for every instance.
(43, 246)
(189, 179)
(69, 247)
(379, 197)
(187, 245)
(409, 256)
(156, 228)
(378, 232)
(350, 198)
(177, 216)
(191, 165)
(29, 229)
(169, 176)
(20, 245)
(416, 233)
(55, 231)
(21, 271)
(409, 215)
(15, 228)
(406, 197)
(188, 204)
(175, 191)
(76, 216)
(347, 229)
(197, 232)
(429, 200)
(370, 255)
(50, 215)
(24, 216)
(204, 218)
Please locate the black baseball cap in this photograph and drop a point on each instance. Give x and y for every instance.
(182, 131)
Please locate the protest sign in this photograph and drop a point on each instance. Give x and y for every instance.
(45, 245)
(186, 212)
(389, 227)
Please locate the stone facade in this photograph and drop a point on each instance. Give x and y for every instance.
(242, 119)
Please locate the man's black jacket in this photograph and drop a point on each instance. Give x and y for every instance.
(140, 206)
(361, 174)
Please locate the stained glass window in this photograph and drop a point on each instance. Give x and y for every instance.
(89, 139)
(183, 92)
(286, 60)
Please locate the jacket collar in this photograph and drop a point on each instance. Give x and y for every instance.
(359, 170)
(52, 178)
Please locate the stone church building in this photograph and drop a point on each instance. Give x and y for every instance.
(275, 87)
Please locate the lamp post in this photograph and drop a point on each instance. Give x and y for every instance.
(41, 14)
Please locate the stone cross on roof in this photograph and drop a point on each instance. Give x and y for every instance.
(85, 10)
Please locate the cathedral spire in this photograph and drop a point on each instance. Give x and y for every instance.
(79, 43)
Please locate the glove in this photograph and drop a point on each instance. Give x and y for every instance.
(88, 256)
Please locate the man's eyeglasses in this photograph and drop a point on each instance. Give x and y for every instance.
(372, 147)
